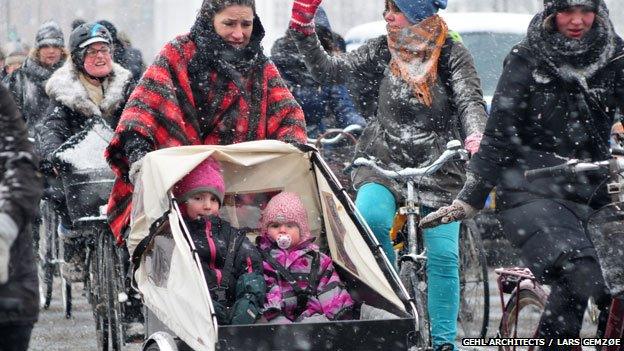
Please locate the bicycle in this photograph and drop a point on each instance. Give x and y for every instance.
(605, 228)
(413, 257)
(336, 147)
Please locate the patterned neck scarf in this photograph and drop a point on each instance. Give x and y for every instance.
(415, 53)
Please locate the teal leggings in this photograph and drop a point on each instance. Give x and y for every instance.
(377, 205)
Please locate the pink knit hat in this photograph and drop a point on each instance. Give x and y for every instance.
(283, 208)
(205, 177)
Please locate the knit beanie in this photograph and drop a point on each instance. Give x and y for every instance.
(49, 34)
(552, 6)
(321, 19)
(286, 208)
(418, 10)
(206, 177)
(15, 57)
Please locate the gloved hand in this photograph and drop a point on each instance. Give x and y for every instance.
(472, 142)
(135, 171)
(302, 18)
(8, 233)
(457, 211)
(245, 311)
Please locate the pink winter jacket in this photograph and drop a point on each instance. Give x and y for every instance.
(331, 299)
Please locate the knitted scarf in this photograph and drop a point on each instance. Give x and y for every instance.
(415, 53)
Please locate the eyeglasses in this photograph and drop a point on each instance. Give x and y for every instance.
(93, 52)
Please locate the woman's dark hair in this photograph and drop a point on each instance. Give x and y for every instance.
(326, 38)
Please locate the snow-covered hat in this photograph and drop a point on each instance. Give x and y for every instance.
(418, 10)
(49, 34)
(551, 6)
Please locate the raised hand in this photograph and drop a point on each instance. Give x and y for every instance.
(302, 18)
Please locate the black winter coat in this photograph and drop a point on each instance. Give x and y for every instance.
(21, 189)
(539, 120)
(70, 106)
(213, 249)
(27, 84)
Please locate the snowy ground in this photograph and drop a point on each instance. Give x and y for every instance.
(55, 333)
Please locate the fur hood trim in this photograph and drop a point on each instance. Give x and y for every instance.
(64, 86)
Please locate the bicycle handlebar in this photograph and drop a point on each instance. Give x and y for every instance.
(331, 141)
(571, 168)
(453, 150)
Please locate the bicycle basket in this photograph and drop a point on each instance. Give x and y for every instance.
(86, 190)
(606, 230)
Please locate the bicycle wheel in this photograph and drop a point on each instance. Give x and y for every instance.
(100, 304)
(110, 284)
(530, 308)
(474, 308)
(417, 288)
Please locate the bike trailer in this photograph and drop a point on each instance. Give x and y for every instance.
(168, 274)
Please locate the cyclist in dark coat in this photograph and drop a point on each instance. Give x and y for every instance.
(555, 101)
(19, 199)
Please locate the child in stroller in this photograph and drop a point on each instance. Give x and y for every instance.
(304, 286)
(231, 263)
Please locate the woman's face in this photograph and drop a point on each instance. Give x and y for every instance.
(98, 60)
(50, 55)
(394, 17)
(234, 24)
(575, 22)
(202, 205)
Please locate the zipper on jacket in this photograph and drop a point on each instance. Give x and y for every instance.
(213, 252)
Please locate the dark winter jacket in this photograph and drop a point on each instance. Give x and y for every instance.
(404, 132)
(27, 84)
(541, 118)
(200, 90)
(70, 106)
(21, 188)
(319, 102)
(213, 238)
(131, 59)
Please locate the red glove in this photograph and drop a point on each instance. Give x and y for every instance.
(302, 18)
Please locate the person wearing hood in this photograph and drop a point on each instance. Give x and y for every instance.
(294, 266)
(128, 57)
(428, 94)
(556, 100)
(21, 189)
(27, 83)
(211, 86)
(318, 101)
(14, 60)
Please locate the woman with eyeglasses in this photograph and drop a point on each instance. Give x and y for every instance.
(428, 94)
(88, 85)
